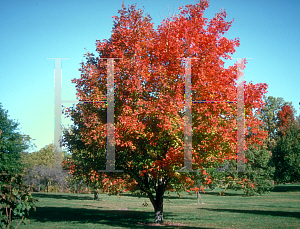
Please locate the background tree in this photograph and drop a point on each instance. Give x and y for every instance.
(268, 114)
(259, 175)
(286, 153)
(15, 197)
(285, 119)
(12, 144)
(298, 120)
(35, 163)
(43, 167)
(76, 180)
(45, 156)
(149, 103)
(258, 178)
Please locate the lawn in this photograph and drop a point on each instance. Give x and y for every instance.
(279, 209)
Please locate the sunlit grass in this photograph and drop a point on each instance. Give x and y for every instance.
(279, 209)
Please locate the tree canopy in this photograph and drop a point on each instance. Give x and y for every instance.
(12, 144)
(15, 197)
(44, 166)
(149, 103)
(268, 114)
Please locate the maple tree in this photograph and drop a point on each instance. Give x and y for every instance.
(285, 119)
(149, 104)
(286, 153)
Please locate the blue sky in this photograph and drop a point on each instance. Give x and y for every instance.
(32, 31)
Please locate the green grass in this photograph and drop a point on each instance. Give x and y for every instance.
(279, 209)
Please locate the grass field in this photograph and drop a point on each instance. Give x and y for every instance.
(279, 209)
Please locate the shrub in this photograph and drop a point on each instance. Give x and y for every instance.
(15, 200)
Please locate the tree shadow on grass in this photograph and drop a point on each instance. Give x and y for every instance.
(67, 196)
(287, 188)
(193, 196)
(256, 212)
(132, 195)
(165, 196)
(217, 193)
(113, 218)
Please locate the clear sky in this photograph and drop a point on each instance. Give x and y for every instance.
(34, 30)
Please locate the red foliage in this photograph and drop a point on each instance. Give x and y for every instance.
(149, 66)
(285, 119)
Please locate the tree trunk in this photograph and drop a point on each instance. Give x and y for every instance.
(198, 196)
(79, 188)
(96, 195)
(60, 185)
(158, 201)
(198, 192)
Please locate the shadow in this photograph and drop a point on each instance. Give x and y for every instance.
(165, 196)
(213, 193)
(217, 193)
(132, 195)
(113, 218)
(257, 212)
(287, 188)
(67, 196)
(78, 197)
